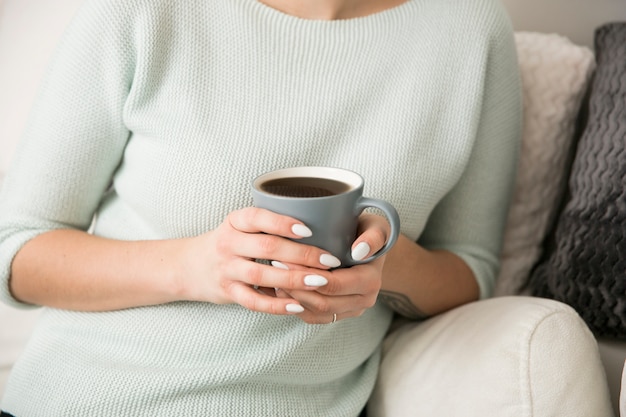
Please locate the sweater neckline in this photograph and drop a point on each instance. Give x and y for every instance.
(378, 18)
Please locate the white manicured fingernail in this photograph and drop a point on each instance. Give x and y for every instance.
(279, 265)
(294, 308)
(329, 260)
(360, 251)
(315, 280)
(301, 230)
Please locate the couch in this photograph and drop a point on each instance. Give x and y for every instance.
(540, 351)
(559, 242)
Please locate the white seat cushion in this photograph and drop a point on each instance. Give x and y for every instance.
(506, 356)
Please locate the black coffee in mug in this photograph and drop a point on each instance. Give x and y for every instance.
(304, 187)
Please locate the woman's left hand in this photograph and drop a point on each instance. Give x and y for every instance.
(350, 291)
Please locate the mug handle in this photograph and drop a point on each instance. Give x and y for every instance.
(392, 217)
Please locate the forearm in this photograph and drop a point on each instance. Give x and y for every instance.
(419, 283)
(71, 269)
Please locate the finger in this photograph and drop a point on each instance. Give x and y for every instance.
(266, 246)
(260, 302)
(356, 280)
(364, 279)
(329, 319)
(320, 304)
(374, 232)
(258, 275)
(318, 307)
(315, 315)
(287, 266)
(256, 220)
(265, 227)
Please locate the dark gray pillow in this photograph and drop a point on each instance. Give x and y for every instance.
(585, 264)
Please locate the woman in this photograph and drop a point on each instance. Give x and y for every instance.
(154, 118)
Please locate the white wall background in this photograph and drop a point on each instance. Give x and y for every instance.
(575, 19)
(29, 30)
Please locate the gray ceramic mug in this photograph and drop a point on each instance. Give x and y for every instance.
(328, 201)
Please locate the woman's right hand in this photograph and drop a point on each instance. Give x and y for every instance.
(74, 270)
(220, 266)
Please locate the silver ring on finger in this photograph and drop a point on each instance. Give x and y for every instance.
(334, 318)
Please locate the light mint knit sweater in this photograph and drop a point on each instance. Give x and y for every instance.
(179, 105)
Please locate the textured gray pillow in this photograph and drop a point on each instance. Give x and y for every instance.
(585, 265)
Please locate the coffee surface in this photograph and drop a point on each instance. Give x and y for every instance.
(304, 187)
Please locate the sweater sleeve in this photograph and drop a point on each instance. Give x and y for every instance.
(75, 135)
(469, 221)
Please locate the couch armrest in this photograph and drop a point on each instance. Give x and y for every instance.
(507, 356)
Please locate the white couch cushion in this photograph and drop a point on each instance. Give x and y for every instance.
(502, 357)
(555, 74)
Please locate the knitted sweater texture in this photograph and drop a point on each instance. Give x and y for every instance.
(157, 114)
